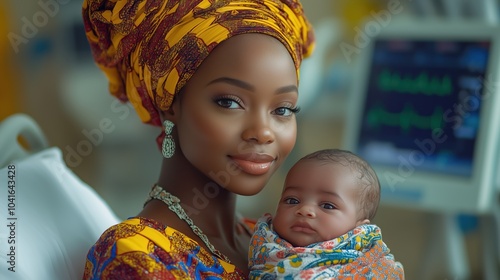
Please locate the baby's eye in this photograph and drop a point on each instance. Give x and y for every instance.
(291, 201)
(228, 103)
(328, 206)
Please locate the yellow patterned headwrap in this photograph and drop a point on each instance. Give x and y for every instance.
(149, 49)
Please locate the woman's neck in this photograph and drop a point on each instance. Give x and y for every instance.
(203, 200)
(211, 208)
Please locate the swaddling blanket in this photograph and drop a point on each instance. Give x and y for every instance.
(358, 254)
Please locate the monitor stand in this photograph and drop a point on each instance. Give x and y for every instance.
(490, 232)
(447, 241)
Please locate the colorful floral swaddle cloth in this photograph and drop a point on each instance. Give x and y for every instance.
(358, 254)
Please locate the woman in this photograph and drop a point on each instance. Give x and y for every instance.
(221, 77)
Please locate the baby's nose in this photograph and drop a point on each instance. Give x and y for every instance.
(306, 211)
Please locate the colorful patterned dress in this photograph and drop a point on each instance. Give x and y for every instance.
(140, 248)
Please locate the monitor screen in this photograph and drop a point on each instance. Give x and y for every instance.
(424, 113)
(420, 88)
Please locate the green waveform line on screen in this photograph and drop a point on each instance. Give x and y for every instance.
(420, 84)
(406, 119)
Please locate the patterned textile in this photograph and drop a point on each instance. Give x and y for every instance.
(149, 49)
(358, 254)
(144, 249)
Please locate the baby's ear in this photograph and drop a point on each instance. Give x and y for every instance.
(362, 222)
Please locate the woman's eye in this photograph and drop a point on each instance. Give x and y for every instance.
(328, 206)
(228, 103)
(286, 111)
(291, 201)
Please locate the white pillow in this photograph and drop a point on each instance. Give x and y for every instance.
(52, 216)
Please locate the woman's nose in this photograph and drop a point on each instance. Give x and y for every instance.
(259, 129)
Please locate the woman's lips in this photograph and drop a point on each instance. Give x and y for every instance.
(254, 164)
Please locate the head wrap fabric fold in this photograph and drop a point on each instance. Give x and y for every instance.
(149, 49)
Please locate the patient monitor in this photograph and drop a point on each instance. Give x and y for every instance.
(425, 113)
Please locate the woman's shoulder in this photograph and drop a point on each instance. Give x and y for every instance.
(147, 248)
(131, 228)
(141, 235)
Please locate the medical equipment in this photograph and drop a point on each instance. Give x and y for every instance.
(424, 113)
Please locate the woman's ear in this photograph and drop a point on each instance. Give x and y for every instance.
(171, 113)
(362, 222)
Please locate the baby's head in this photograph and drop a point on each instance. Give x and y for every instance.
(368, 185)
(326, 194)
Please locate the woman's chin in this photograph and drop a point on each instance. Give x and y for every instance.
(249, 191)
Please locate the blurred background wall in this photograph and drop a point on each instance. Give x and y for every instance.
(47, 72)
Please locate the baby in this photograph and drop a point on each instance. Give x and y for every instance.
(322, 226)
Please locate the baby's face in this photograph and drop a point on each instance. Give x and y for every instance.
(318, 203)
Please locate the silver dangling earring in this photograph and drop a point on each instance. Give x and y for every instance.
(168, 147)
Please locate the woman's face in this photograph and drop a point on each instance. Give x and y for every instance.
(235, 118)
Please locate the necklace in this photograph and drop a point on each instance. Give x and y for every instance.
(174, 205)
